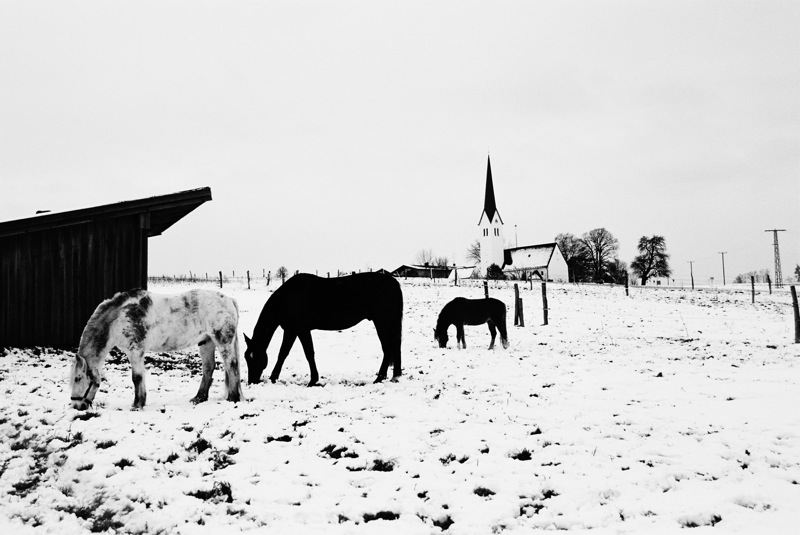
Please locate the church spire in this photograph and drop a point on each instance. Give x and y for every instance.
(489, 204)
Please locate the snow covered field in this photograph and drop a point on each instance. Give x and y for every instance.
(658, 412)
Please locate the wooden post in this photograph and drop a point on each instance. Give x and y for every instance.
(521, 314)
(796, 315)
(220, 279)
(626, 286)
(248, 279)
(269, 277)
(516, 304)
(544, 301)
(769, 283)
(329, 274)
(283, 277)
(486, 289)
(455, 272)
(753, 287)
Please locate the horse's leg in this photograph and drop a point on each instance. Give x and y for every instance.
(136, 358)
(233, 382)
(207, 356)
(308, 349)
(493, 332)
(286, 346)
(390, 334)
(461, 342)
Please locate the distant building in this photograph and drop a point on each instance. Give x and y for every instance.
(544, 261)
(429, 272)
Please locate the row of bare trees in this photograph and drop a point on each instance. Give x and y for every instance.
(593, 257)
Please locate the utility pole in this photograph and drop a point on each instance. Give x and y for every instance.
(516, 239)
(778, 275)
(723, 267)
(691, 272)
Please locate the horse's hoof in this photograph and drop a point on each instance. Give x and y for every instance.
(272, 380)
(379, 379)
(198, 399)
(396, 379)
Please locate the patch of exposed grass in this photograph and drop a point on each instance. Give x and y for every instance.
(483, 492)
(105, 444)
(123, 463)
(522, 455)
(200, 445)
(444, 523)
(379, 465)
(337, 452)
(221, 491)
(381, 515)
(88, 415)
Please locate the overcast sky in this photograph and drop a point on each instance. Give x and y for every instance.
(353, 134)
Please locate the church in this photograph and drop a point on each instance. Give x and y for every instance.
(543, 261)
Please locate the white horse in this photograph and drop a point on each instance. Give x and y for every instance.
(139, 321)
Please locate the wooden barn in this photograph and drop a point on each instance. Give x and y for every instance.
(56, 268)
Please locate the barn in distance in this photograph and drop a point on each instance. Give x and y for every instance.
(56, 268)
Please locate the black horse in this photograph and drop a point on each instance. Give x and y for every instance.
(461, 311)
(307, 302)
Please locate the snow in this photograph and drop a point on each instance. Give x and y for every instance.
(657, 412)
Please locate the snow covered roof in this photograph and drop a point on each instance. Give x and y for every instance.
(164, 210)
(529, 256)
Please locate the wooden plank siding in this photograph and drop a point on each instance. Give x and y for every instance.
(51, 281)
(56, 268)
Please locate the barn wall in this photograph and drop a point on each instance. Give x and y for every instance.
(52, 280)
(558, 270)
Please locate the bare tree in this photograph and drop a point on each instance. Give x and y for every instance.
(474, 252)
(282, 272)
(575, 254)
(602, 248)
(652, 260)
(441, 261)
(424, 256)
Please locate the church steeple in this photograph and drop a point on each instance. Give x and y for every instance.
(491, 239)
(489, 204)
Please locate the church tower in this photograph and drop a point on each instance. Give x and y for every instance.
(491, 227)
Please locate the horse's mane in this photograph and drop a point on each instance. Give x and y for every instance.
(95, 334)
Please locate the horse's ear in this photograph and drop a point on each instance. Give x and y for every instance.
(247, 340)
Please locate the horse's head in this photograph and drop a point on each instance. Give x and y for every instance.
(255, 355)
(440, 335)
(83, 384)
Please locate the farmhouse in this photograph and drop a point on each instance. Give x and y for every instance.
(544, 261)
(427, 271)
(56, 268)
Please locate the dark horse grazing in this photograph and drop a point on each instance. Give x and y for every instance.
(307, 302)
(461, 311)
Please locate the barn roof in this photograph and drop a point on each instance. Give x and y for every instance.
(164, 211)
(530, 256)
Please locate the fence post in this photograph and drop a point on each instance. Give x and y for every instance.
(455, 271)
(796, 316)
(248, 279)
(769, 283)
(516, 304)
(544, 301)
(486, 289)
(521, 314)
(626, 286)
(269, 277)
(753, 288)
(220, 279)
